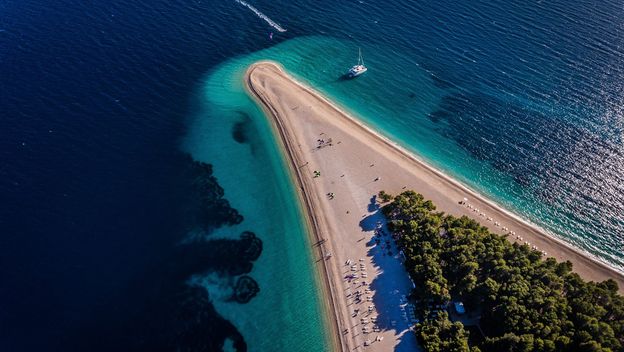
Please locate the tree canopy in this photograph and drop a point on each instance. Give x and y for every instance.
(527, 303)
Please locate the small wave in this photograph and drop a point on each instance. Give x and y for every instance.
(487, 141)
(263, 16)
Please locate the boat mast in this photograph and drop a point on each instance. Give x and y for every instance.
(360, 59)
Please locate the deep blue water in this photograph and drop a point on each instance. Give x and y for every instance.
(95, 98)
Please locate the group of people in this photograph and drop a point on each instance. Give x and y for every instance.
(323, 143)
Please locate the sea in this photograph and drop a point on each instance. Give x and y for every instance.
(145, 205)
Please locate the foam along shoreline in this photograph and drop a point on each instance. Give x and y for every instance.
(355, 163)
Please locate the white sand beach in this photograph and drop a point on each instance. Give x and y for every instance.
(339, 166)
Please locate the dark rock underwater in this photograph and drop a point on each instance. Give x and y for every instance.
(164, 310)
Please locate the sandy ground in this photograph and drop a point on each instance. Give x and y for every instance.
(340, 165)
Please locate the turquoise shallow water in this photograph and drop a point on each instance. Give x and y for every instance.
(286, 314)
(409, 103)
(253, 174)
(522, 101)
(231, 132)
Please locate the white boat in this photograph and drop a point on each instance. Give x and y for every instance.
(359, 68)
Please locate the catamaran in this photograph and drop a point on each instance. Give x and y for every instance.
(359, 68)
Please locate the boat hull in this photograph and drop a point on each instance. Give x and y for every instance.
(353, 74)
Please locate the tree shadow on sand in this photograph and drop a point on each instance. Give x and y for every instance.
(369, 222)
(391, 282)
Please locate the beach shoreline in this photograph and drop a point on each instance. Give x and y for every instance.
(271, 88)
(310, 219)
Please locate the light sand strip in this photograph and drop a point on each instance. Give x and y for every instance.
(355, 163)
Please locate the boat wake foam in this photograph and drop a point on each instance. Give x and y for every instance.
(263, 16)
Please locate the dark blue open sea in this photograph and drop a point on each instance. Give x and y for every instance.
(130, 219)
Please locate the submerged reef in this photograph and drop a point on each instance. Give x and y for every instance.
(246, 288)
(163, 309)
(240, 130)
(206, 206)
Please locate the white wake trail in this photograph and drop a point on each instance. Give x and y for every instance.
(263, 16)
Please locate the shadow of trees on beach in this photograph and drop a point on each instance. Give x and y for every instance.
(372, 205)
(390, 283)
(369, 222)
